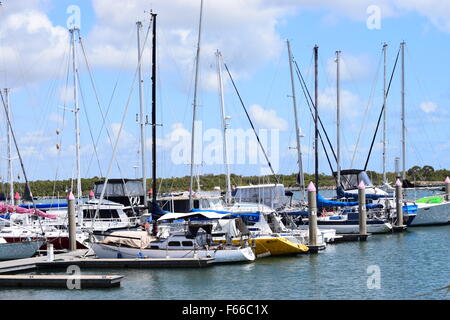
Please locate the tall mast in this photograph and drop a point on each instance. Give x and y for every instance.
(403, 114)
(9, 151)
(76, 111)
(297, 128)
(194, 114)
(154, 184)
(142, 120)
(316, 116)
(224, 126)
(385, 115)
(338, 117)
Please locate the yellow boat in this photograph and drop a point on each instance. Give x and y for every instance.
(277, 246)
(270, 245)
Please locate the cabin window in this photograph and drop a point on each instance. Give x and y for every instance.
(102, 214)
(174, 244)
(188, 244)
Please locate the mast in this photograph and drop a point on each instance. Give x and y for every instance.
(154, 184)
(224, 126)
(403, 114)
(316, 116)
(9, 150)
(142, 120)
(338, 117)
(297, 128)
(194, 113)
(76, 111)
(385, 115)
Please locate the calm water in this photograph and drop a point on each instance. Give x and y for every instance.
(412, 263)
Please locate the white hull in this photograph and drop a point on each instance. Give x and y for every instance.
(220, 256)
(432, 214)
(19, 250)
(354, 229)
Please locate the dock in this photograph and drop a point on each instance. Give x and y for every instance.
(29, 264)
(351, 237)
(128, 263)
(59, 281)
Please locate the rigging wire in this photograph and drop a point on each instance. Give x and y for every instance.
(366, 111)
(119, 132)
(20, 158)
(382, 111)
(253, 127)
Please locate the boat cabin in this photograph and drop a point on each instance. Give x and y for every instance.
(129, 192)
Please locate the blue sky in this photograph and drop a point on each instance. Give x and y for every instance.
(34, 48)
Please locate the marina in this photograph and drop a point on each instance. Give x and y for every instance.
(301, 197)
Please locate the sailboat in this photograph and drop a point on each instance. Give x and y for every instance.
(193, 239)
(26, 247)
(434, 212)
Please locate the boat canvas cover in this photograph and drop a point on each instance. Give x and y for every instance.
(229, 227)
(273, 196)
(131, 239)
(195, 214)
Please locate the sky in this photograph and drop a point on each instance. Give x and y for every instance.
(35, 64)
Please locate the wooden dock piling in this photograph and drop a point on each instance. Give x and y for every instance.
(312, 218)
(362, 209)
(399, 226)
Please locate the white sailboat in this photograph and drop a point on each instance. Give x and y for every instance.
(193, 241)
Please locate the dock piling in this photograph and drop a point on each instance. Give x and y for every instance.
(362, 208)
(312, 208)
(399, 226)
(447, 189)
(72, 222)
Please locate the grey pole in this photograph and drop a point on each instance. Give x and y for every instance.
(194, 113)
(72, 221)
(297, 127)
(403, 114)
(385, 116)
(312, 217)
(142, 120)
(362, 208)
(447, 189)
(338, 118)
(9, 148)
(224, 127)
(399, 202)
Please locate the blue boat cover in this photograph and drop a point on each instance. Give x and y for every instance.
(44, 206)
(342, 194)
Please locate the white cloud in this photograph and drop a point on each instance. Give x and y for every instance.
(245, 32)
(126, 140)
(352, 67)
(36, 137)
(351, 104)
(173, 137)
(267, 119)
(31, 47)
(428, 107)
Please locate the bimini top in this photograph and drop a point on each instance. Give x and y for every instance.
(350, 179)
